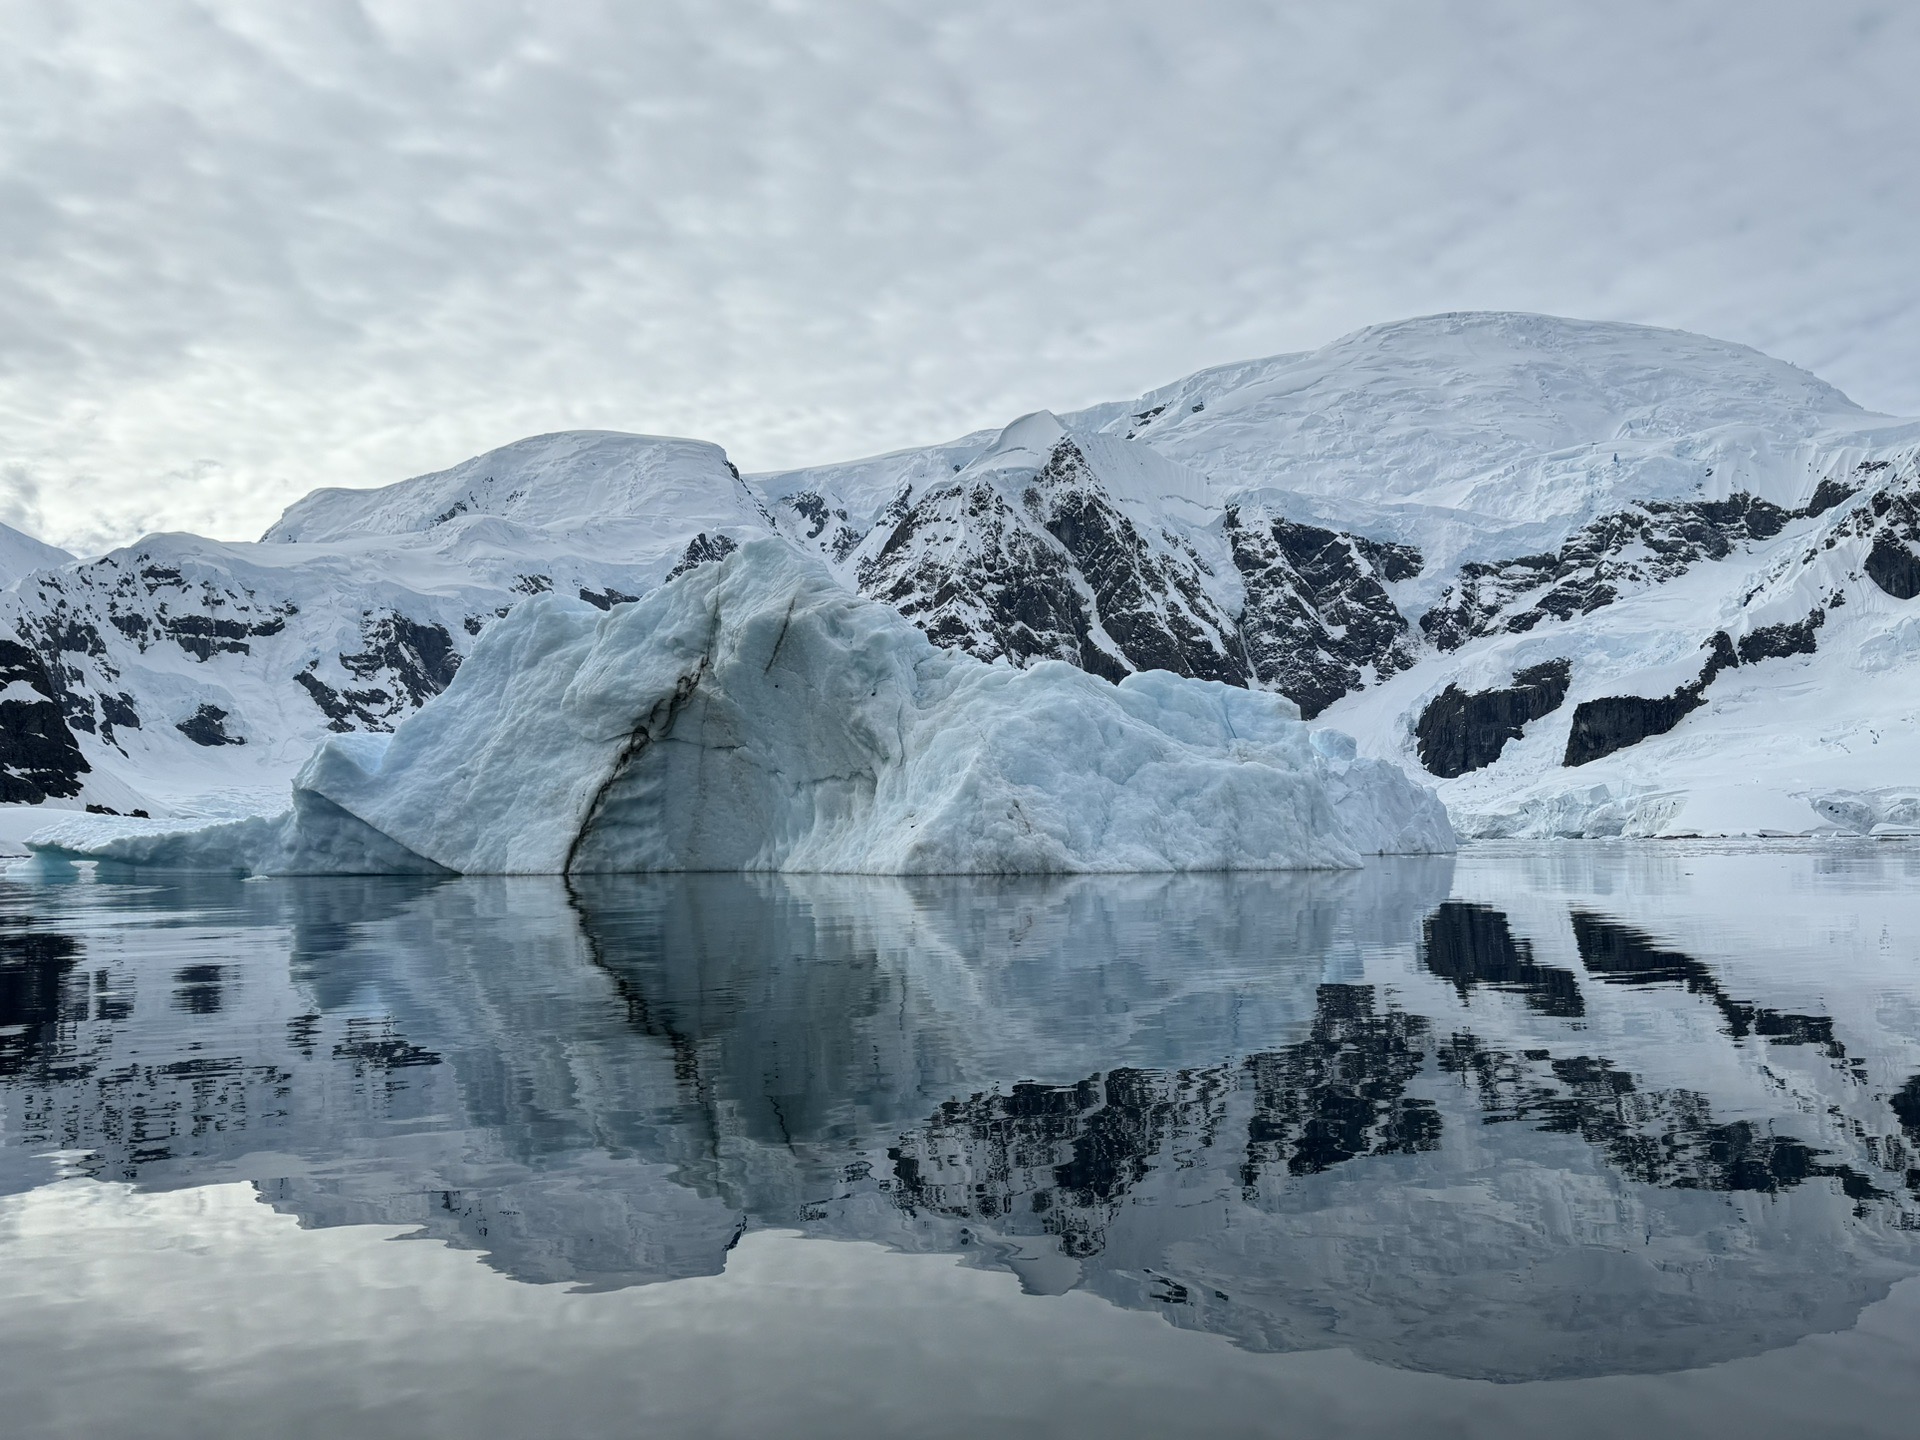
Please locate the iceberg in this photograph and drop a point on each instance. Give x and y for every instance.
(752, 715)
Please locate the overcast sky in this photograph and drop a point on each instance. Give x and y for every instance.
(250, 248)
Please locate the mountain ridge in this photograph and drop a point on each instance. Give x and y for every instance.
(1359, 527)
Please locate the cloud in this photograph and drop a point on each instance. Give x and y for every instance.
(246, 250)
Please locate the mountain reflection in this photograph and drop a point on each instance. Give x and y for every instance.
(1472, 945)
(1620, 955)
(36, 992)
(1297, 1110)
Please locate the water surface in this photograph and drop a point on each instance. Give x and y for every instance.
(1592, 1138)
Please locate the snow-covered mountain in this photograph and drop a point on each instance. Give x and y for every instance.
(1589, 578)
(199, 673)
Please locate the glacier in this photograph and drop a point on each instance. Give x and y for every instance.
(752, 715)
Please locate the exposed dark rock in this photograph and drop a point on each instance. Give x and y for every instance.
(1066, 577)
(345, 710)
(72, 636)
(1888, 525)
(1827, 494)
(972, 566)
(1646, 544)
(811, 508)
(846, 540)
(138, 604)
(703, 549)
(533, 584)
(147, 603)
(1613, 722)
(1894, 568)
(605, 599)
(204, 636)
(76, 706)
(1391, 561)
(208, 726)
(1317, 623)
(117, 711)
(418, 660)
(1006, 591)
(1721, 655)
(1776, 642)
(1152, 603)
(1464, 730)
(39, 758)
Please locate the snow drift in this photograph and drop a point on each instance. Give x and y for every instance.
(753, 715)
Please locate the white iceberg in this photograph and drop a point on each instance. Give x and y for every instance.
(753, 715)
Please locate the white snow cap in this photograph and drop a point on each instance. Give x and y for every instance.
(753, 715)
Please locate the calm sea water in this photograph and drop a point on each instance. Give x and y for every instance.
(1578, 1140)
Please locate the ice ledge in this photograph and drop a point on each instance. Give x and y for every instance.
(1751, 810)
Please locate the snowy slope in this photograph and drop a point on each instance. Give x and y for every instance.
(21, 554)
(1516, 418)
(1475, 435)
(1386, 530)
(1814, 725)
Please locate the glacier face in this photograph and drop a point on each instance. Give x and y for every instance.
(752, 715)
(1417, 511)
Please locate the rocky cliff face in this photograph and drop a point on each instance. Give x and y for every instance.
(39, 758)
(1460, 731)
(1031, 554)
(1633, 549)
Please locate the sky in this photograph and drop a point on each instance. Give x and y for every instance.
(250, 249)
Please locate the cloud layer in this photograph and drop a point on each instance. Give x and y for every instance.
(250, 249)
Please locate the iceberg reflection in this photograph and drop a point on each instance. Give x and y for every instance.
(1450, 1123)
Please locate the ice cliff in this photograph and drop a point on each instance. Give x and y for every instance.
(754, 715)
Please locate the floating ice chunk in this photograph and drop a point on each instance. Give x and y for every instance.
(753, 715)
